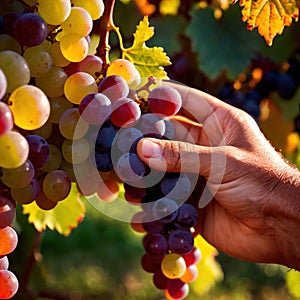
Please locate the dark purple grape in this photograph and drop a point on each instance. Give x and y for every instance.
(286, 85)
(155, 244)
(135, 192)
(187, 216)
(130, 168)
(181, 241)
(160, 280)
(177, 289)
(9, 21)
(7, 211)
(38, 150)
(106, 135)
(165, 210)
(127, 139)
(152, 125)
(252, 108)
(151, 263)
(103, 160)
(30, 30)
(152, 226)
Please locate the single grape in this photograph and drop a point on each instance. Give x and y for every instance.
(52, 83)
(74, 47)
(57, 185)
(8, 284)
(160, 280)
(15, 68)
(165, 210)
(54, 13)
(151, 263)
(44, 131)
(177, 289)
(114, 87)
(164, 100)
(105, 136)
(38, 150)
(75, 151)
(127, 139)
(151, 125)
(125, 112)
(6, 117)
(173, 266)
(58, 106)
(94, 7)
(55, 159)
(26, 194)
(43, 202)
(30, 30)
(187, 216)
(14, 150)
(30, 107)
(8, 240)
(4, 263)
(181, 241)
(7, 211)
(130, 168)
(7, 42)
(95, 108)
(3, 88)
(286, 85)
(103, 160)
(57, 57)
(18, 177)
(155, 244)
(78, 85)
(71, 125)
(190, 274)
(193, 257)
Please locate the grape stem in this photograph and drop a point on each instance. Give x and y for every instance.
(106, 25)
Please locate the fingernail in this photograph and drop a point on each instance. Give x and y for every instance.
(150, 149)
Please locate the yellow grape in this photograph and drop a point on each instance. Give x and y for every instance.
(75, 152)
(74, 47)
(7, 42)
(58, 59)
(52, 83)
(71, 125)
(54, 12)
(38, 60)
(94, 7)
(79, 21)
(173, 266)
(78, 85)
(125, 69)
(14, 150)
(30, 107)
(15, 68)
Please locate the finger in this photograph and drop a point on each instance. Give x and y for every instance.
(176, 156)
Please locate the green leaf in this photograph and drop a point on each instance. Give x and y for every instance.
(149, 61)
(222, 45)
(168, 32)
(293, 282)
(63, 217)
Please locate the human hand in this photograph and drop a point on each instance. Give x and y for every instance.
(255, 191)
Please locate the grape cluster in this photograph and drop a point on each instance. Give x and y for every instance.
(64, 119)
(8, 241)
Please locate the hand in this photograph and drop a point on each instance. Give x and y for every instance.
(255, 212)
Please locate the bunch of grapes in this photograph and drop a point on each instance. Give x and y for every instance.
(65, 119)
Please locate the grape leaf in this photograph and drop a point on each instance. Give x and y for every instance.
(210, 271)
(270, 17)
(222, 45)
(64, 217)
(293, 282)
(148, 60)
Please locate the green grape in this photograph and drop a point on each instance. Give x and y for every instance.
(54, 161)
(57, 57)
(14, 150)
(30, 107)
(94, 7)
(57, 185)
(52, 82)
(45, 131)
(38, 60)
(27, 194)
(74, 47)
(15, 68)
(79, 21)
(173, 266)
(58, 106)
(18, 177)
(125, 69)
(77, 151)
(78, 85)
(7, 42)
(71, 125)
(54, 12)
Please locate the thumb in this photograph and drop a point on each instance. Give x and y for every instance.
(175, 156)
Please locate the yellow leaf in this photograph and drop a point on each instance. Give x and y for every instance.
(63, 217)
(293, 282)
(143, 33)
(269, 16)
